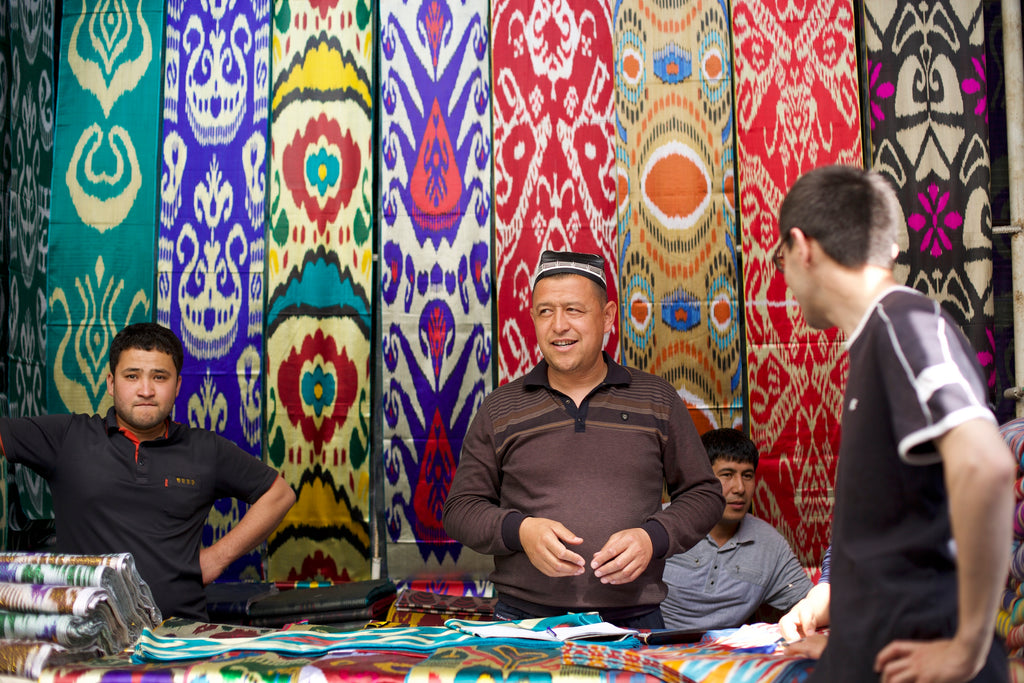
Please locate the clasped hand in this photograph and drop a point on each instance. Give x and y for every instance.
(622, 559)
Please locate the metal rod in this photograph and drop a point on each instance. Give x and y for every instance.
(1013, 79)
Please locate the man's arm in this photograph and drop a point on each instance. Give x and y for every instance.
(979, 473)
(262, 518)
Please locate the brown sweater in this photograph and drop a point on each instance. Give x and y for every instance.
(597, 469)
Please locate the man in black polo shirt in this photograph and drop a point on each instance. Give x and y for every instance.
(562, 470)
(135, 481)
(921, 529)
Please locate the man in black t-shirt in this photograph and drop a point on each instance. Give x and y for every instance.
(921, 530)
(135, 481)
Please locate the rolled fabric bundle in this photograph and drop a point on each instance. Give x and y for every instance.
(1018, 488)
(27, 659)
(67, 630)
(1013, 434)
(1015, 638)
(132, 586)
(1017, 564)
(30, 597)
(128, 595)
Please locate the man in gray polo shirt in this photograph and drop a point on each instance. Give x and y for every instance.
(743, 562)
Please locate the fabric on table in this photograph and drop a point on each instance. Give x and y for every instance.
(499, 663)
(680, 281)
(209, 287)
(435, 265)
(796, 95)
(115, 573)
(554, 155)
(465, 586)
(167, 645)
(27, 659)
(319, 260)
(102, 241)
(701, 662)
(68, 630)
(113, 669)
(78, 601)
(436, 603)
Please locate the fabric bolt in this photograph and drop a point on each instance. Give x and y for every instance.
(436, 603)
(503, 663)
(796, 93)
(554, 156)
(465, 586)
(29, 141)
(318, 311)
(700, 662)
(80, 601)
(162, 645)
(435, 260)
(1013, 434)
(128, 594)
(100, 258)
(27, 659)
(212, 225)
(679, 271)
(68, 630)
(930, 139)
(114, 669)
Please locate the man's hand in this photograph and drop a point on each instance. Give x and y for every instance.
(807, 615)
(927, 661)
(812, 646)
(544, 542)
(624, 557)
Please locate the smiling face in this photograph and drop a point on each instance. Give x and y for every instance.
(571, 317)
(144, 385)
(737, 486)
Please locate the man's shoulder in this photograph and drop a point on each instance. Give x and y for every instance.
(649, 382)
(756, 529)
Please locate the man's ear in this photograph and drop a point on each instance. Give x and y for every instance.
(110, 383)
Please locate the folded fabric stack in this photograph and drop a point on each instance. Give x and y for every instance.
(424, 608)
(344, 605)
(1010, 620)
(60, 608)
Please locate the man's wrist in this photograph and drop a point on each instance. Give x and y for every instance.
(510, 530)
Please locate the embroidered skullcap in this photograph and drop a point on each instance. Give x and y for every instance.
(573, 263)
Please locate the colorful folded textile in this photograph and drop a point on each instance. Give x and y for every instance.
(313, 641)
(27, 659)
(116, 573)
(436, 603)
(701, 662)
(80, 601)
(485, 663)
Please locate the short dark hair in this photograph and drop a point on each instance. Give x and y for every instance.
(853, 214)
(729, 444)
(147, 337)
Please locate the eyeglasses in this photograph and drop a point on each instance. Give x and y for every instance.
(777, 258)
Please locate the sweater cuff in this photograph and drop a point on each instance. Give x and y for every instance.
(659, 538)
(510, 531)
